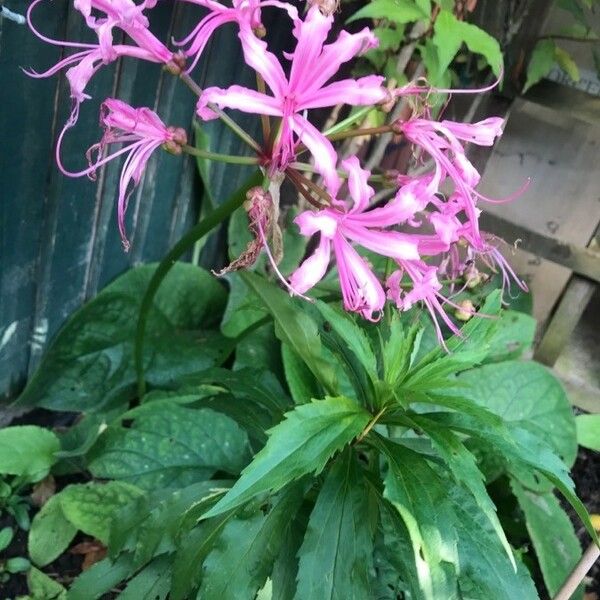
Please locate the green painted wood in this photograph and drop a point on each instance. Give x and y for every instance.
(59, 242)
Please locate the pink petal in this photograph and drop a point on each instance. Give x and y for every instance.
(311, 35)
(313, 269)
(361, 290)
(387, 243)
(324, 221)
(357, 92)
(238, 97)
(322, 151)
(258, 57)
(360, 191)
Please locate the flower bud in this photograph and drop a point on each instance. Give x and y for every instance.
(472, 276)
(466, 310)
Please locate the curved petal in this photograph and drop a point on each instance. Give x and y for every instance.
(324, 221)
(313, 269)
(360, 191)
(257, 56)
(356, 92)
(311, 35)
(387, 243)
(322, 151)
(346, 47)
(361, 290)
(238, 97)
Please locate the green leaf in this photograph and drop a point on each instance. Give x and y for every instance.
(42, 587)
(551, 531)
(398, 11)
(91, 507)
(101, 578)
(420, 497)
(294, 327)
(336, 557)
(252, 544)
(17, 564)
(89, 365)
(567, 63)
(541, 62)
(513, 336)
(301, 444)
(194, 547)
(168, 445)
(588, 431)
(463, 467)
(528, 395)
(301, 382)
(450, 34)
(152, 583)
(485, 571)
(27, 451)
(6, 536)
(50, 534)
(352, 334)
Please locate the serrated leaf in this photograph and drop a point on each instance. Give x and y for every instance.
(152, 583)
(301, 382)
(463, 467)
(450, 33)
(551, 531)
(528, 395)
(89, 364)
(419, 496)
(540, 63)
(27, 451)
(567, 63)
(252, 544)
(169, 445)
(91, 507)
(50, 534)
(352, 335)
(588, 431)
(336, 557)
(193, 548)
(302, 443)
(398, 11)
(294, 327)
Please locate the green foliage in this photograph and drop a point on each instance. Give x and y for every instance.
(372, 480)
(397, 11)
(588, 431)
(27, 451)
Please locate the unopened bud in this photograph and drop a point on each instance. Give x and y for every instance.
(466, 310)
(178, 139)
(472, 276)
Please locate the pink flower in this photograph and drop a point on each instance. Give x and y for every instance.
(242, 11)
(313, 64)
(83, 64)
(338, 226)
(442, 141)
(142, 132)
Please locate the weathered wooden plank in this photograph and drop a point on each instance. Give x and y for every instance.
(26, 123)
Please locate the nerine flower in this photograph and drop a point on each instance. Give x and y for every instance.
(142, 132)
(313, 64)
(83, 64)
(247, 11)
(342, 224)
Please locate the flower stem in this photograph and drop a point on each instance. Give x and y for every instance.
(226, 158)
(211, 221)
(227, 120)
(370, 425)
(342, 135)
(348, 121)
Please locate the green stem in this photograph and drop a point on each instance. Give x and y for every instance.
(226, 158)
(211, 221)
(350, 133)
(239, 131)
(348, 121)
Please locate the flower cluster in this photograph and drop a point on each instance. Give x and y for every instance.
(427, 231)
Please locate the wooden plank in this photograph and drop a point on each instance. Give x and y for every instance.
(559, 153)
